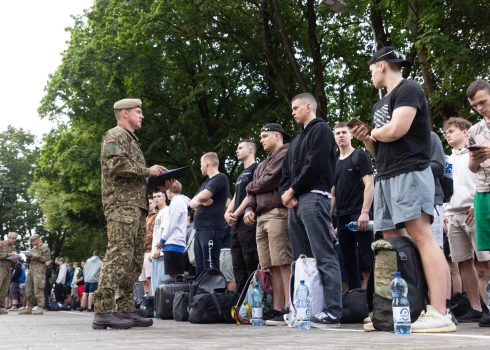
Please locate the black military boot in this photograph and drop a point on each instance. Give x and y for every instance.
(138, 320)
(111, 320)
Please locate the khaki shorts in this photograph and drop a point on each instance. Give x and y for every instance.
(272, 234)
(226, 265)
(462, 240)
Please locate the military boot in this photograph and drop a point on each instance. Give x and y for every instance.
(111, 320)
(39, 311)
(27, 311)
(3, 311)
(138, 320)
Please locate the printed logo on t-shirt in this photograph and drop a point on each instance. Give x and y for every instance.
(381, 116)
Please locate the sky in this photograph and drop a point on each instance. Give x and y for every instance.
(33, 38)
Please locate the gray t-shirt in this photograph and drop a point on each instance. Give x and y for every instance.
(479, 134)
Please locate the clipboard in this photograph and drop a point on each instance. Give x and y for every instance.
(153, 182)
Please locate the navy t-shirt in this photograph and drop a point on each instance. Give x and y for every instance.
(412, 151)
(240, 193)
(349, 187)
(212, 217)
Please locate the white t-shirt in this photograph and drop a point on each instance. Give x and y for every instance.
(161, 221)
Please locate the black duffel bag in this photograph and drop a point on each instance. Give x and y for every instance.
(147, 308)
(212, 307)
(181, 306)
(354, 306)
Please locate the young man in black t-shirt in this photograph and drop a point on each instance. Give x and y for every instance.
(404, 192)
(243, 241)
(352, 195)
(209, 202)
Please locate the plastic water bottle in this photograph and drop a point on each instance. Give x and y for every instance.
(257, 306)
(353, 226)
(449, 168)
(401, 308)
(303, 309)
(488, 293)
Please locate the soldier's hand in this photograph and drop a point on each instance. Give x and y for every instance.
(156, 170)
(35, 256)
(14, 252)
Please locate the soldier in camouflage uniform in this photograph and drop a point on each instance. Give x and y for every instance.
(36, 277)
(6, 249)
(125, 205)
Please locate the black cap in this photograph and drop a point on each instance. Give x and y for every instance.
(390, 54)
(276, 127)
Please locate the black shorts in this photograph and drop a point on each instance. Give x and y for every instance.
(174, 263)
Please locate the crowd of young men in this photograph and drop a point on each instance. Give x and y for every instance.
(283, 207)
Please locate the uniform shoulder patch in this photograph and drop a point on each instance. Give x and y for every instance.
(111, 140)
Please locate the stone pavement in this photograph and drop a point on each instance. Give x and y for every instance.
(73, 331)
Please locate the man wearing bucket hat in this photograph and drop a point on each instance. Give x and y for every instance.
(125, 203)
(404, 191)
(36, 277)
(6, 249)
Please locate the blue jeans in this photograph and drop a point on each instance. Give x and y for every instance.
(207, 247)
(309, 232)
(157, 273)
(352, 242)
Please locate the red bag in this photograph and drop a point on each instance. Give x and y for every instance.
(264, 277)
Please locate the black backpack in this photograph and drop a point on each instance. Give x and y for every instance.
(210, 280)
(354, 306)
(392, 255)
(146, 307)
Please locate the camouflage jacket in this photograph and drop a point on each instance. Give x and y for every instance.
(5, 250)
(38, 264)
(124, 170)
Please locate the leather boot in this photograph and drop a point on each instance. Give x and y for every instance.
(111, 320)
(27, 311)
(138, 320)
(39, 311)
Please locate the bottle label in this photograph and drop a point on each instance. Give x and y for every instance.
(449, 171)
(401, 314)
(257, 312)
(302, 313)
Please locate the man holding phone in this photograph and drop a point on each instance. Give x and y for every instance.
(404, 191)
(478, 143)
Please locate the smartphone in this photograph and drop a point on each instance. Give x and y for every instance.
(355, 122)
(474, 148)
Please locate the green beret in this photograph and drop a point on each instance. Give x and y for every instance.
(128, 103)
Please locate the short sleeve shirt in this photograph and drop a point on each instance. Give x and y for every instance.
(412, 151)
(213, 216)
(479, 134)
(243, 180)
(349, 187)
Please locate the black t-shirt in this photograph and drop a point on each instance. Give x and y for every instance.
(212, 217)
(240, 193)
(349, 187)
(412, 151)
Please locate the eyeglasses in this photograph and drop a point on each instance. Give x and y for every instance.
(395, 53)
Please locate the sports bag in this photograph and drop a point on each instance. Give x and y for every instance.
(165, 292)
(242, 311)
(212, 308)
(181, 306)
(147, 308)
(354, 306)
(210, 280)
(392, 255)
(305, 269)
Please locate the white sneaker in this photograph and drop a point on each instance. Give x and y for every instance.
(367, 320)
(433, 322)
(34, 308)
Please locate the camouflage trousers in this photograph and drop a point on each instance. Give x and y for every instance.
(126, 234)
(4, 281)
(35, 282)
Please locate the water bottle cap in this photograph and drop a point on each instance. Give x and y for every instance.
(397, 274)
(302, 282)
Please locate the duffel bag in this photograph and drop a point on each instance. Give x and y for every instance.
(212, 307)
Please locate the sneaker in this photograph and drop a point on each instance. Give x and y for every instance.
(368, 327)
(22, 308)
(431, 321)
(471, 316)
(90, 310)
(14, 308)
(485, 321)
(276, 318)
(81, 308)
(453, 318)
(367, 320)
(323, 320)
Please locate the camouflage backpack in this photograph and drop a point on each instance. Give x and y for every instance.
(392, 255)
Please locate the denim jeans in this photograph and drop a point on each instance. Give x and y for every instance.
(157, 273)
(350, 244)
(207, 247)
(309, 232)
